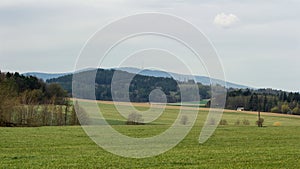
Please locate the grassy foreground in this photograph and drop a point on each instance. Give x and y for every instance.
(231, 146)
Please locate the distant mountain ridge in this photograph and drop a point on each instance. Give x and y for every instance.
(45, 76)
(147, 72)
(180, 77)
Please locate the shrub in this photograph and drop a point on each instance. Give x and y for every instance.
(296, 111)
(212, 121)
(275, 109)
(135, 119)
(277, 124)
(285, 108)
(223, 122)
(260, 122)
(238, 122)
(246, 122)
(184, 120)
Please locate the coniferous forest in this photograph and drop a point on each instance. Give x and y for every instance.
(266, 100)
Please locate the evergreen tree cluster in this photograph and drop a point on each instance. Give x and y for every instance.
(267, 100)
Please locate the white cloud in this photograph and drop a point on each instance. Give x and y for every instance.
(225, 20)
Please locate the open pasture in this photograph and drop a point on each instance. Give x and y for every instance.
(231, 146)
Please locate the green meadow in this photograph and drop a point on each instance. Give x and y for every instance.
(231, 146)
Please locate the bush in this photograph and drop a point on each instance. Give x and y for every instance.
(184, 120)
(296, 111)
(275, 109)
(246, 122)
(277, 124)
(135, 119)
(285, 108)
(223, 122)
(212, 121)
(260, 122)
(238, 122)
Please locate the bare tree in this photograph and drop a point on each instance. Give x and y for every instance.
(134, 119)
(59, 115)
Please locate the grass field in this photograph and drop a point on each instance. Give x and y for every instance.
(231, 146)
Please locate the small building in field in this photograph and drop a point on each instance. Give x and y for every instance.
(240, 109)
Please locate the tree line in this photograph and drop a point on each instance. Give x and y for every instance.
(266, 100)
(28, 101)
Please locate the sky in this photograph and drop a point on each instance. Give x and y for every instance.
(257, 41)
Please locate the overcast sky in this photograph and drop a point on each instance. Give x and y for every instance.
(257, 41)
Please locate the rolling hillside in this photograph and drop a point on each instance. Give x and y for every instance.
(146, 72)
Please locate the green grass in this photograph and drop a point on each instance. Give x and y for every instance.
(230, 146)
(202, 103)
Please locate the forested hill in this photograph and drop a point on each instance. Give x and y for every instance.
(139, 89)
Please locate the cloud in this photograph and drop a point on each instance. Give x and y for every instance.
(225, 20)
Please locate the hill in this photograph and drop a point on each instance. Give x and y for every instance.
(147, 72)
(45, 76)
(180, 77)
(139, 90)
